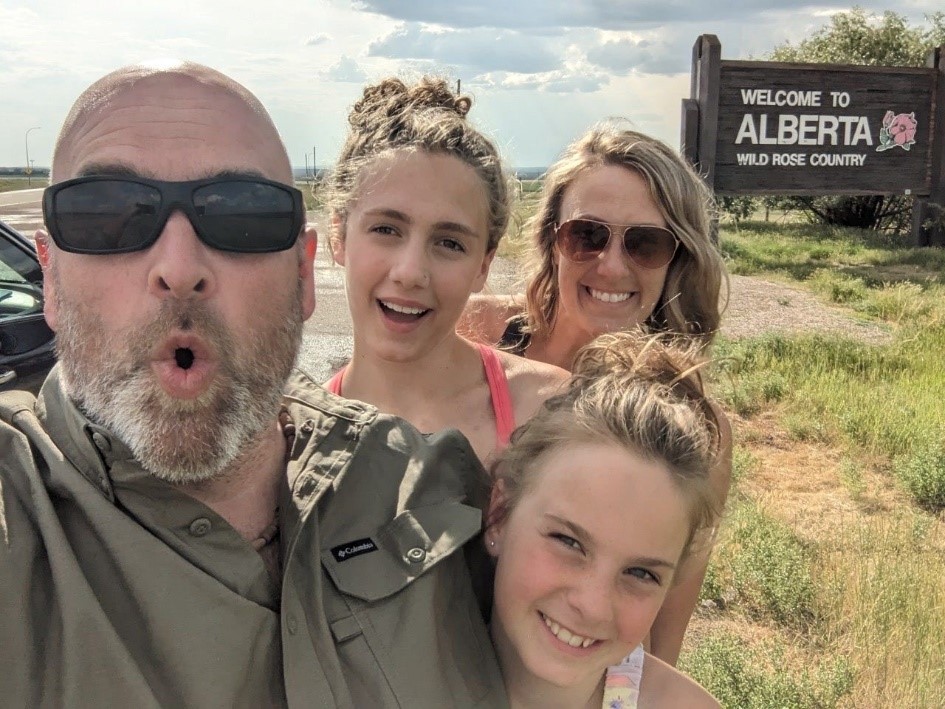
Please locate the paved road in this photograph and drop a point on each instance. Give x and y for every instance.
(326, 341)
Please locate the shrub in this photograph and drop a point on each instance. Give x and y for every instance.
(897, 302)
(762, 568)
(838, 287)
(922, 473)
(758, 677)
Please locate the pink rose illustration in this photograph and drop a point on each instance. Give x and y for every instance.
(898, 130)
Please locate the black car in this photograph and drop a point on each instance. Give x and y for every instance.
(26, 342)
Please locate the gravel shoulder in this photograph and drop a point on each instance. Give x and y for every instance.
(757, 306)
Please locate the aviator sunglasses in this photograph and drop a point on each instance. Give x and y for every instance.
(648, 246)
(114, 215)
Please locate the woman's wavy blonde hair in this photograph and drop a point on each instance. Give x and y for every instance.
(391, 116)
(689, 304)
(639, 391)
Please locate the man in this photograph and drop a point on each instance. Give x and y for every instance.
(183, 521)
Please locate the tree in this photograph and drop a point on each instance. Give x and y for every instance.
(856, 37)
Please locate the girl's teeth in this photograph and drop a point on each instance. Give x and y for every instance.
(609, 297)
(565, 635)
(404, 309)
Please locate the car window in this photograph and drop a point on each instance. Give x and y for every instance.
(18, 295)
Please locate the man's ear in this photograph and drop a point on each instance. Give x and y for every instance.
(337, 239)
(309, 239)
(44, 255)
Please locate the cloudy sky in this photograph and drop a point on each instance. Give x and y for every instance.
(540, 71)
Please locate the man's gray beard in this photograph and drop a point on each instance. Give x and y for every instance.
(178, 440)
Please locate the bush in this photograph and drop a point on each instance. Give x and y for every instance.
(898, 302)
(838, 287)
(762, 568)
(922, 473)
(759, 678)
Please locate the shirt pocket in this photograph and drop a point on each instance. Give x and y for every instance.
(375, 567)
(405, 611)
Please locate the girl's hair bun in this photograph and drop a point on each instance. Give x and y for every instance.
(391, 97)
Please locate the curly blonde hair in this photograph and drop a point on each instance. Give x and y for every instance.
(642, 392)
(392, 116)
(689, 304)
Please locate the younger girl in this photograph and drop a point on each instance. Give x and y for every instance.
(418, 203)
(596, 503)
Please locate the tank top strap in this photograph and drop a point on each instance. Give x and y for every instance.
(499, 392)
(334, 384)
(622, 683)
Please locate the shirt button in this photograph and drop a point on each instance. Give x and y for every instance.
(200, 526)
(101, 442)
(416, 555)
(292, 625)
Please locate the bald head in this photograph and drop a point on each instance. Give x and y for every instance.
(193, 96)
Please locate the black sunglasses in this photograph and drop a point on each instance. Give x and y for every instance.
(114, 215)
(647, 245)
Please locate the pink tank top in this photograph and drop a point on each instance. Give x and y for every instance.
(498, 392)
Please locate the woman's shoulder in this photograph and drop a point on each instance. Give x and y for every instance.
(664, 686)
(530, 383)
(486, 316)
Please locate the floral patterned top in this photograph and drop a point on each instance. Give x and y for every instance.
(622, 684)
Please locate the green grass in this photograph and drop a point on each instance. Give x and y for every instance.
(8, 184)
(764, 571)
(797, 251)
(762, 678)
(862, 597)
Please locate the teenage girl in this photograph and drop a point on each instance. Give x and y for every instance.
(596, 504)
(418, 203)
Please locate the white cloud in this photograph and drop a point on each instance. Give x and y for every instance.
(477, 50)
(345, 70)
(652, 53)
(315, 40)
(558, 81)
(606, 14)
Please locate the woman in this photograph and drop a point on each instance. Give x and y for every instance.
(596, 503)
(418, 203)
(621, 240)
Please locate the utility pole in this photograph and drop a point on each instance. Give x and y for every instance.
(29, 165)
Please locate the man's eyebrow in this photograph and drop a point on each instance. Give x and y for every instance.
(582, 535)
(392, 213)
(112, 169)
(118, 169)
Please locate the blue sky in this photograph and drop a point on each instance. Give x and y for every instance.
(539, 71)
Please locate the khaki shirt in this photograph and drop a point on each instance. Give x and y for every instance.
(116, 589)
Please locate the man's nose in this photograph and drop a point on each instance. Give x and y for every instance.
(411, 268)
(180, 265)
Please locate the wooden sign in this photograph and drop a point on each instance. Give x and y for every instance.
(799, 129)
(815, 129)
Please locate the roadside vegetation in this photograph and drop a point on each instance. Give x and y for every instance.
(8, 184)
(826, 586)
